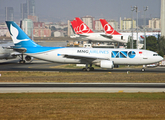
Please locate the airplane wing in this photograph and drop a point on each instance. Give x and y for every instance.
(20, 50)
(83, 35)
(112, 38)
(107, 36)
(83, 57)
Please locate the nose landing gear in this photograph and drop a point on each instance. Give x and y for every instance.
(143, 69)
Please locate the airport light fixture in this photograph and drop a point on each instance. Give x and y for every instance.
(145, 9)
(136, 10)
(132, 9)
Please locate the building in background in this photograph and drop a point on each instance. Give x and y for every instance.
(59, 33)
(40, 30)
(114, 24)
(27, 26)
(9, 14)
(23, 9)
(33, 18)
(89, 21)
(155, 23)
(31, 7)
(70, 30)
(3, 29)
(28, 10)
(98, 26)
(126, 24)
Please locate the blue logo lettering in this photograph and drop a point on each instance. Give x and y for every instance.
(99, 51)
(122, 54)
(131, 54)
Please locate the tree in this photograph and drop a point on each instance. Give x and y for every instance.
(52, 34)
(134, 44)
(151, 43)
(161, 53)
(53, 28)
(161, 44)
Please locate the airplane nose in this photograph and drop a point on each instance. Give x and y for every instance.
(161, 58)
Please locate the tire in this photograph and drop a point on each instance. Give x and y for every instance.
(84, 69)
(142, 69)
(92, 68)
(88, 69)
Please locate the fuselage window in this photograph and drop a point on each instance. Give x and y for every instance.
(155, 54)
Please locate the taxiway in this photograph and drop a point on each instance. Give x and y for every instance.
(81, 87)
(39, 65)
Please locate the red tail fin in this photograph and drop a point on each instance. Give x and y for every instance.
(82, 27)
(108, 28)
(75, 26)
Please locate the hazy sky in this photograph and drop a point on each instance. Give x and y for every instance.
(63, 10)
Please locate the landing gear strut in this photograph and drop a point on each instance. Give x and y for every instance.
(143, 69)
(22, 61)
(88, 68)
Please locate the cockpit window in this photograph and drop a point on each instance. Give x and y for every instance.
(155, 54)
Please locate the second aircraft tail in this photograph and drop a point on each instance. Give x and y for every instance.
(19, 37)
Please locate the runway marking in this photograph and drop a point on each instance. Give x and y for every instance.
(120, 91)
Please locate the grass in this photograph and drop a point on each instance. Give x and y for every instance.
(86, 106)
(83, 106)
(82, 77)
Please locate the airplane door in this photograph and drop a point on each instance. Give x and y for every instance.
(143, 56)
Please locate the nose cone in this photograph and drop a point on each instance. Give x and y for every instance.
(160, 58)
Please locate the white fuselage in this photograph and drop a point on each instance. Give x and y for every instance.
(118, 56)
(123, 38)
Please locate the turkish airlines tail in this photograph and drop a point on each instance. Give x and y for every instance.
(82, 27)
(75, 26)
(108, 28)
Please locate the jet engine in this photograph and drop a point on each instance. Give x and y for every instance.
(105, 64)
(28, 59)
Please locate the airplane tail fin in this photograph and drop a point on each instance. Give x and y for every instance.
(18, 36)
(108, 28)
(82, 27)
(75, 26)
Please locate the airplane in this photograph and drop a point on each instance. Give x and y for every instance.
(103, 57)
(84, 32)
(109, 30)
(7, 53)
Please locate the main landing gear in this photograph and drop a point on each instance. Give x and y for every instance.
(88, 68)
(22, 60)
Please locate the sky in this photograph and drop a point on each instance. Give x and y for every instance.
(63, 10)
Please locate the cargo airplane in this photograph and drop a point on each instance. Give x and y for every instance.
(103, 57)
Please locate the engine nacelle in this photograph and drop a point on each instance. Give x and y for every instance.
(105, 64)
(28, 58)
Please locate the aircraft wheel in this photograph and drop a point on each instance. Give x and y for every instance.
(143, 69)
(22, 61)
(92, 68)
(84, 69)
(88, 69)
